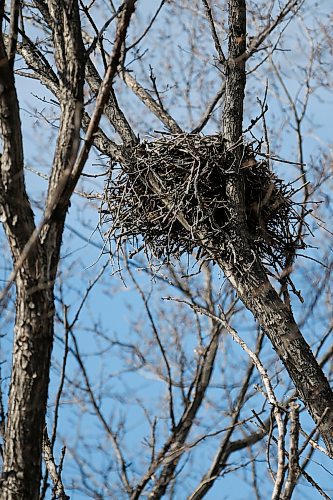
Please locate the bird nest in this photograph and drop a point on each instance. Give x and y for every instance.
(172, 190)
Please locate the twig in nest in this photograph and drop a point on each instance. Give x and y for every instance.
(171, 191)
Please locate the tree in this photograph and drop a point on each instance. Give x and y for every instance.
(65, 50)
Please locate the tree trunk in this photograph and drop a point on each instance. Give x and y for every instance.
(28, 388)
(36, 251)
(35, 256)
(244, 269)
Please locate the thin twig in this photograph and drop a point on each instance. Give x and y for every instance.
(161, 347)
(52, 468)
(215, 37)
(294, 453)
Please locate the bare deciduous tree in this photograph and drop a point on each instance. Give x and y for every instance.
(182, 198)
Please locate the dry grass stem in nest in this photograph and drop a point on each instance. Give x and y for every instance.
(173, 189)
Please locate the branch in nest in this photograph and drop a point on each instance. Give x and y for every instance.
(172, 191)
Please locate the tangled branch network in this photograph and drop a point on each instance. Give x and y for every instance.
(173, 190)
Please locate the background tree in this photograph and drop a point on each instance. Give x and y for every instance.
(207, 405)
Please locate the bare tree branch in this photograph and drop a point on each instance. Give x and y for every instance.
(58, 488)
(211, 21)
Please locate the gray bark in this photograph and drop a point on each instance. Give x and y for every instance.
(35, 278)
(36, 251)
(245, 271)
(36, 275)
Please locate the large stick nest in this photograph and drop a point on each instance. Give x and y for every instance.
(180, 180)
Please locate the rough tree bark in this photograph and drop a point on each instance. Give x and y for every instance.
(35, 277)
(36, 272)
(244, 269)
(245, 272)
